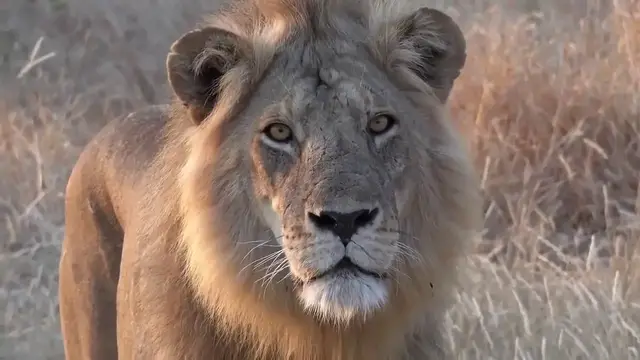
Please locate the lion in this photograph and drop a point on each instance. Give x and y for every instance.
(304, 195)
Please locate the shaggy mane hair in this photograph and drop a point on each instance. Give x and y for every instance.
(214, 174)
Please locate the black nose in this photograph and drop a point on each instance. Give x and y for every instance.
(344, 225)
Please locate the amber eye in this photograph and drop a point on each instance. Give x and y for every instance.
(278, 132)
(380, 124)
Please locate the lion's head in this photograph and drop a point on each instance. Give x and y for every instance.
(322, 160)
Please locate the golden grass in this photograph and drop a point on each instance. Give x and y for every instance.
(549, 99)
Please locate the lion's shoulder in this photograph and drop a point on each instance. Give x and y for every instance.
(129, 143)
(126, 155)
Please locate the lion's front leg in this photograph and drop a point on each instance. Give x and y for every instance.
(87, 309)
(89, 271)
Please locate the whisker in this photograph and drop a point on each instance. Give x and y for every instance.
(395, 278)
(281, 266)
(261, 241)
(261, 260)
(272, 257)
(396, 270)
(260, 244)
(287, 276)
(409, 252)
(273, 262)
(404, 249)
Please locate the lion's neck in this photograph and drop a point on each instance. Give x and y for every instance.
(301, 340)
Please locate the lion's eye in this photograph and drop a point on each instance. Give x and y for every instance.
(279, 132)
(380, 124)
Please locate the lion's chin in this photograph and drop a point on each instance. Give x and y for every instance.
(341, 296)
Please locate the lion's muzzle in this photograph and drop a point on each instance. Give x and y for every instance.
(344, 262)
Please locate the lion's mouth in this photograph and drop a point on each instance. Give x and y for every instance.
(346, 266)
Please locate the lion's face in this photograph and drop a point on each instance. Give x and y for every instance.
(340, 127)
(327, 161)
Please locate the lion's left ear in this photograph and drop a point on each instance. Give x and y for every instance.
(440, 47)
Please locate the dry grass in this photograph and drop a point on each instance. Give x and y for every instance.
(550, 100)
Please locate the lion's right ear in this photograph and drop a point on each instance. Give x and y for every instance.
(195, 65)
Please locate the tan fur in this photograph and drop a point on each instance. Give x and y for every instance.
(193, 216)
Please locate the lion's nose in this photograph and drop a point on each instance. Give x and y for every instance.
(343, 225)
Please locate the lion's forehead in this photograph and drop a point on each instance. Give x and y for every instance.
(338, 84)
(347, 96)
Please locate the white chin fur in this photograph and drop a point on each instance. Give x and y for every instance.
(341, 297)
